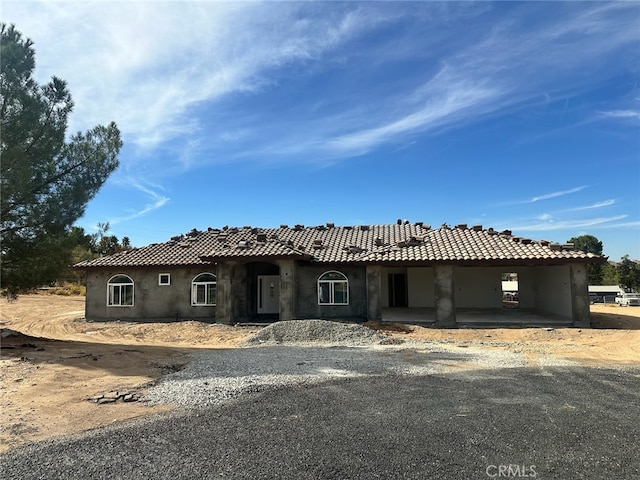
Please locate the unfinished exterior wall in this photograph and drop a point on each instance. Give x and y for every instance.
(239, 293)
(581, 313)
(445, 296)
(553, 290)
(478, 287)
(152, 302)
(526, 287)
(421, 287)
(374, 282)
(307, 293)
(287, 289)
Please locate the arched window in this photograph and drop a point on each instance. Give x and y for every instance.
(203, 289)
(333, 289)
(120, 291)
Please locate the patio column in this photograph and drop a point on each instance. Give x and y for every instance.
(374, 290)
(224, 300)
(445, 296)
(287, 289)
(239, 291)
(580, 312)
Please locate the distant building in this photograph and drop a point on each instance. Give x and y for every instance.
(604, 293)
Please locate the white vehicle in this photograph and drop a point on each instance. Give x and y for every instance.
(628, 299)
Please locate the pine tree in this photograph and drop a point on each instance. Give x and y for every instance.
(46, 179)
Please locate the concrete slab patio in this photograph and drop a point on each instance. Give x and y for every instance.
(475, 317)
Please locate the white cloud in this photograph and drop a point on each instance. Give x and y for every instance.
(556, 194)
(570, 224)
(447, 99)
(605, 203)
(157, 201)
(153, 67)
(620, 115)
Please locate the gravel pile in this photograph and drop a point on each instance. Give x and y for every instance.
(308, 332)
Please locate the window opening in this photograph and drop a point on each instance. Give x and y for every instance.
(333, 289)
(203, 289)
(120, 291)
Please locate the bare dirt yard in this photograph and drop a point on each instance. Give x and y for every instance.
(60, 374)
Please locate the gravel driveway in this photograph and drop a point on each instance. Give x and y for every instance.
(214, 377)
(383, 411)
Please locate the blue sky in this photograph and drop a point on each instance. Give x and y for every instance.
(521, 116)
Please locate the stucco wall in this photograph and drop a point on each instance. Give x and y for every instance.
(553, 290)
(307, 293)
(421, 287)
(151, 301)
(478, 287)
(526, 286)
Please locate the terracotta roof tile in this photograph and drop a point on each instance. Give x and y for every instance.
(402, 242)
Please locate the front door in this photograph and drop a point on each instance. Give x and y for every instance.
(268, 293)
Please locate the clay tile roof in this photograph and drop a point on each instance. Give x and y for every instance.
(402, 242)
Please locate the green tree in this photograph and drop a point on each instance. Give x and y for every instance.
(629, 273)
(590, 244)
(610, 274)
(46, 179)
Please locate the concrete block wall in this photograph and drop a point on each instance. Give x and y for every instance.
(307, 293)
(152, 302)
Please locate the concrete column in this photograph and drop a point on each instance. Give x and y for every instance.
(580, 312)
(287, 289)
(374, 292)
(445, 296)
(224, 300)
(239, 293)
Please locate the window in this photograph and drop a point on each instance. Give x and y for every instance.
(333, 289)
(164, 279)
(120, 291)
(203, 289)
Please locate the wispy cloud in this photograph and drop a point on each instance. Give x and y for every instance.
(504, 71)
(605, 203)
(125, 62)
(447, 100)
(546, 196)
(620, 115)
(156, 201)
(570, 224)
(560, 193)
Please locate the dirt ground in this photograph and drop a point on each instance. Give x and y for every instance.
(53, 372)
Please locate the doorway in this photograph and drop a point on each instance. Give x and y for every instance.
(398, 290)
(268, 293)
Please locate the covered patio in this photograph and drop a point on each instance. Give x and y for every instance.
(472, 317)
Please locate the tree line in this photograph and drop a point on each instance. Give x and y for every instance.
(625, 273)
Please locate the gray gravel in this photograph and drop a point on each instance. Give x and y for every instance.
(306, 332)
(313, 351)
(559, 423)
